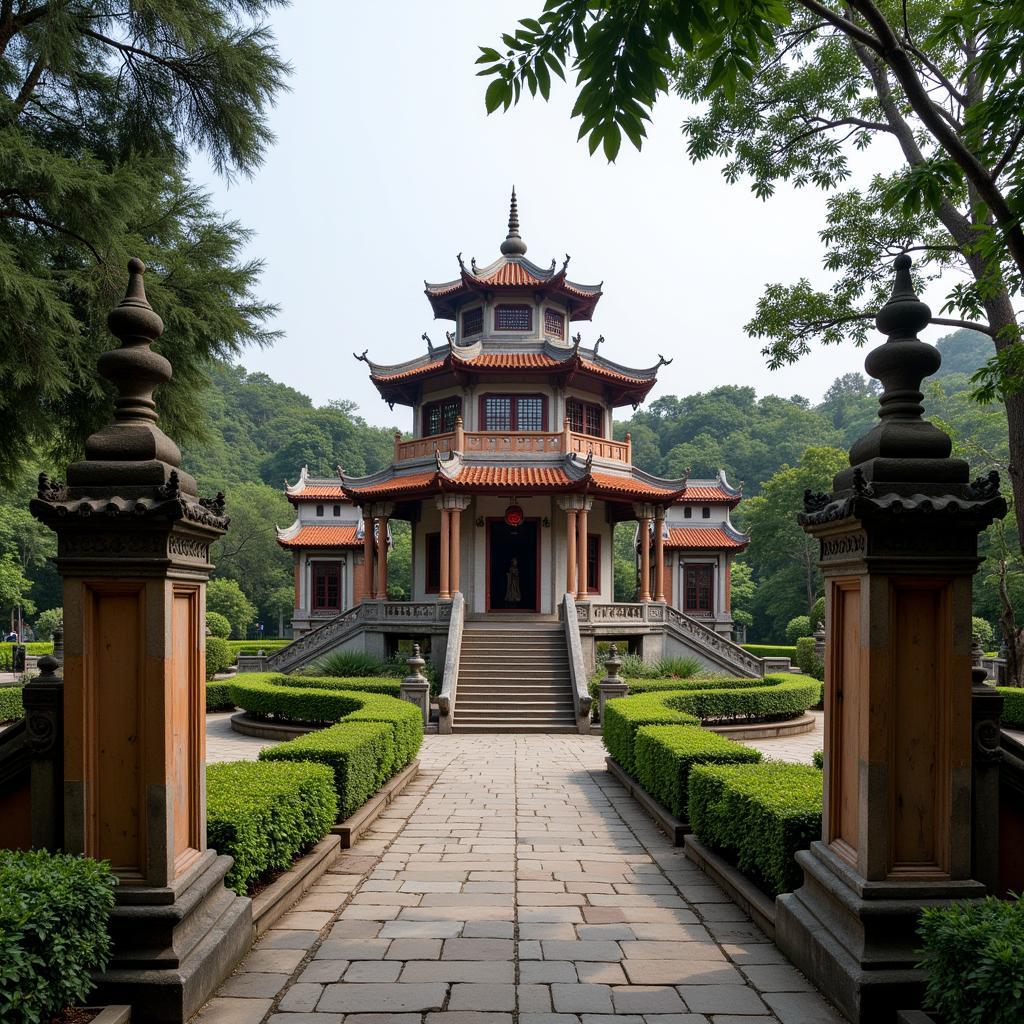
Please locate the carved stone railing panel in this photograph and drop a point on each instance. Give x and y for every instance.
(602, 447)
(421, 447)
(715, 643)
(313, 642)
(515, 442)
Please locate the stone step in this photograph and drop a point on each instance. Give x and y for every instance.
(516, 727)
(527, 703)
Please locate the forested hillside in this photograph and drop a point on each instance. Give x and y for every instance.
(261, 432)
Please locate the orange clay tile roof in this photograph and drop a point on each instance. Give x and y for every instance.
(701, 537)
(409, 482)
(503, 476)
(512, 274)
(323, 537)
(511, 361)
(708, 494)
(318, 494)
(628, 484)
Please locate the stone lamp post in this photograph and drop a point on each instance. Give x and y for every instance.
(415, 687)
(898, 540)
(133, 544)
(612, 685)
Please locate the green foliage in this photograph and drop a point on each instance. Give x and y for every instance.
(982, 632)
(818, 759)
(265, 813)
(218, 625)
(771, 650)
(347, 664)
(806, 660)
(361, 755)
(255, 646)
(1013, 706)
(665, 754)
(972, 954)
(101, 106)
(623, 717)
(760, 814)
(11, 707)
(817, 614)
(690, 701)
(218, 656)
(14, 585)
(46, 622)
(360, 684)
(225, 597)
(678, 667)
(53, 931)
(797, 627)
(218, 697)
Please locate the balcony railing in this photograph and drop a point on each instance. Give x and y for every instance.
(514, 442)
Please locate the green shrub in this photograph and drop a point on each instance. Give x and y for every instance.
(982, 632)
(806, 660)
(218, 697)
(53, 931)
(973, 954)
(771, 650)
(797, 627)
(46, 622)
(218, 656)
(37, 649)
(665, 754)
(218, 625)
(678, 666)
(255, 646)
(11, 707)
(348, 665)
(818, 759)
(623, 717)
(1013, 706)
(760, 814)
(687, 685)
(817, 613)
(264, 814)
(360, 754)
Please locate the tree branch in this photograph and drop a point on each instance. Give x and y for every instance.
(849, 28)
(25, 93)
(1010, 150)
(43, 222)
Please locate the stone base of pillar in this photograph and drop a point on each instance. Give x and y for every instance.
(174, 946)
(857, 940)
(609, 691)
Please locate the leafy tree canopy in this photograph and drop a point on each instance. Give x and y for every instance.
(225, 597)
(100, 103)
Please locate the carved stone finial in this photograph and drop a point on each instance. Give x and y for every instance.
(598, 343)
(47, 666)
(815, 501)
(513, 244)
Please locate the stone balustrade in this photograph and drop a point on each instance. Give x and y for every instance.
(514, 442)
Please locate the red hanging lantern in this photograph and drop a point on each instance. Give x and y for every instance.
(514, 515)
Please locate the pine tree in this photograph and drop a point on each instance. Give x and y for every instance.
(100, 104)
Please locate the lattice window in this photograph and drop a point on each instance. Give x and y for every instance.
(439, 417)
(473, 322)
(585, 417)
(594, 420)
(498, 412)
(705, 512)
(554, 323)
(513, 317)
(593, 563)
(574, 414)
(697, 588)
(326, 586)
(530, 413)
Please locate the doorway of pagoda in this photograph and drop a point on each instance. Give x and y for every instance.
(513, 566)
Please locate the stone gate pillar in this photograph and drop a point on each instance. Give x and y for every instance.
(133, 551)
(898, 542)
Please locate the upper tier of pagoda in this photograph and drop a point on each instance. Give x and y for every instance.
(512, 319)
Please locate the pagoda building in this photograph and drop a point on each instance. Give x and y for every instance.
(511, 478)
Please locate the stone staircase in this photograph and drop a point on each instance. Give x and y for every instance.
(514, 678)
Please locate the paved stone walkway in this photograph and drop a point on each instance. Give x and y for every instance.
(514, 881)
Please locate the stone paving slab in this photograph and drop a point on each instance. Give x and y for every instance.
(514, 882)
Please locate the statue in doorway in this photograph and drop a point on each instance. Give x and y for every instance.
(513, 595)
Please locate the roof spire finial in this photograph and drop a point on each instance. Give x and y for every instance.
(513, 244)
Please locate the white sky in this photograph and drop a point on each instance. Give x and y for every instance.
(386, 166)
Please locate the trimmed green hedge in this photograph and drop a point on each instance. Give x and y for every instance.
(265, 814)
(1013, 706)
(255, 646)
(972, 955)
(665, 755)
(361, 684)
(304, 698)
(623, 717)
(689, 685)
(11, 707)
(53, 931)
(760, 814)
(37, 648)
(771, 650)
(361, 756)
(818, 759)
(218, 697)
(218, 656)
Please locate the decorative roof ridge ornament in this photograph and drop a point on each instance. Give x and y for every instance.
(513, 244)
(662, 361)
(361, 356)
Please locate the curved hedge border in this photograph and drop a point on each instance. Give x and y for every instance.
(771, 650)
(691, 701)
(218, 697)
(666, 754)
(11, 707)
(1013, 706)
(264, 815)
(303, 698)
(760, 814)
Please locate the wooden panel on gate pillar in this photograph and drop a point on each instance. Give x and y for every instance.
(133, 551)
(898, 539)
